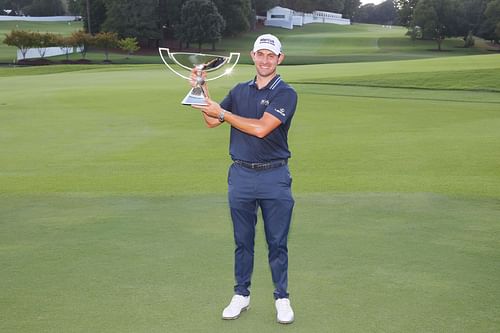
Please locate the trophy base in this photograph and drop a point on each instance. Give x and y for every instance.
(194, 97)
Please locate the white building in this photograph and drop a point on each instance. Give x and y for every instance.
(280, 17)
(288, 18)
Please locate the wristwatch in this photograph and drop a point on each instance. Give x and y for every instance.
(221, 116)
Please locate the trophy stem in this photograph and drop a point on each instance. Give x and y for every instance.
(195, 96)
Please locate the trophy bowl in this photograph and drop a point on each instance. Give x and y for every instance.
(184, 62)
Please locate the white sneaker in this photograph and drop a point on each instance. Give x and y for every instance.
(284, 311)
(238, 304)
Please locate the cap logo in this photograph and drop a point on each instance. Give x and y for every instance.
(267, 40)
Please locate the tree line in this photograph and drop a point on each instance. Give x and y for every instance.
(191, 21)
(35, 7)
(440, 19)
(25, 40)
(207, 21)
(437, 19)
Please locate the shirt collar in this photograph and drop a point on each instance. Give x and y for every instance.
(271, 85)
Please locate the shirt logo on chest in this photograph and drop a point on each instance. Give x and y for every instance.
(264, 102)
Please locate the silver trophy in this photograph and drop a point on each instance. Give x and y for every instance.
(183, 61)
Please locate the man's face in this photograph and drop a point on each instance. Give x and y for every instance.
(266, 62)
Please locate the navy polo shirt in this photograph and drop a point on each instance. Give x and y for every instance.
(246, 100)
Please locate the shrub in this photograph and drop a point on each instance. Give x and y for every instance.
(106, 40)
(129, 44)
(23, 40)
(82, 40)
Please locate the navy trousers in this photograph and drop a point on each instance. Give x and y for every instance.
(269, 189)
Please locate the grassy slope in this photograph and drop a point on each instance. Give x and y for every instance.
(113, 214)
(113, 207)
(313, 43)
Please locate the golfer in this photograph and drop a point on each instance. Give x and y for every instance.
(259, 112)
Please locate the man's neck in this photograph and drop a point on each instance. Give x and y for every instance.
(261, 82)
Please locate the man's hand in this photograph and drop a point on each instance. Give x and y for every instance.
(212, 109)
(195, 78)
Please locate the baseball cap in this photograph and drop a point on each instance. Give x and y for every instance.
(268, 42)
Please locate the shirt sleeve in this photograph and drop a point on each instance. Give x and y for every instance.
(283, 105)
(227, 102)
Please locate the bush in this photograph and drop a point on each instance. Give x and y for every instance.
(43, 41)
(23, 40)
(106, 40)
(129, 45)
(82, 40)
(469, 40)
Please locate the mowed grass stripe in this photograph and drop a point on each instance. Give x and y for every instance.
(309, 73)
(122, 138)
(378, 261)
(473, 80)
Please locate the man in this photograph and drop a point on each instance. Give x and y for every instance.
(260, 113)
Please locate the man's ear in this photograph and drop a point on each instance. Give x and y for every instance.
(281, 58)
(252, 53)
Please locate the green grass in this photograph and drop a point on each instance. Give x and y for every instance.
(481, 80)
(113, 214)
(310, 44)
(324, 43)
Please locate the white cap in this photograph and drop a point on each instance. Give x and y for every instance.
(268, 42)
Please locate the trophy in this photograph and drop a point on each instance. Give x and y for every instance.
(184, 61)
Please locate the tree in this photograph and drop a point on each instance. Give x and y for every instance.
(438, 19)
(132, 18)
(129, 45)
(384, 13)
(351, 8)
(312, 5)
(82, 41)
(236, 14)
(44, 40)
(23, 40)
(89, 25)
(105, 41)
(330, 5)
(95, 15)
(200, 23)
(488, 28)
(44, 8)
(16, 5)
(76, 7)
(262, 6)
(473, 14)
(387, 12)
(66, 43)
(405, 10)
(172, 17)
(365, 13)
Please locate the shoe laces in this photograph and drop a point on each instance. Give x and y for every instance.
(283, 304)
(237, 299)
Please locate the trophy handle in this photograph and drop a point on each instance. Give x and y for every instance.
(232, 57)
(166, 63)
(228, 70)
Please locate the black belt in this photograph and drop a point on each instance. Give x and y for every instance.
(261, 165)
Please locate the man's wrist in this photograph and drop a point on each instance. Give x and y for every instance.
(222, 115)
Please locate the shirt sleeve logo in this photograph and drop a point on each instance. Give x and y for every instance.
(280, 111)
